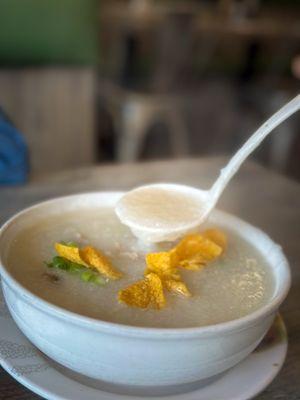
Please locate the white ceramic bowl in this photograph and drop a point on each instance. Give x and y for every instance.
(131, 355)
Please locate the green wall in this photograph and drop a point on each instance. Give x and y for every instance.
(49, 32)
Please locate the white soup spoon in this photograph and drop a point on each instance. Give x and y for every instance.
(164, 212)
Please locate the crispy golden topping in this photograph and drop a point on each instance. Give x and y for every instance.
(193, 253)
(156, 290)
(163, 264)
(216, 236)
(71, 253)
(145, 293)
(197, 245)
(177, 287)
(89, 257)
(98, 261)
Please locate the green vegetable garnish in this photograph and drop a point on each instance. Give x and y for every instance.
(85, 274)
(98, 280)
(61, 263)
(89, 276)
(75, 268)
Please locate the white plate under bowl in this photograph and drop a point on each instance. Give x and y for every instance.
(38, 373)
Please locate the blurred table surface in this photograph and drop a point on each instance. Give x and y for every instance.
(264, 198)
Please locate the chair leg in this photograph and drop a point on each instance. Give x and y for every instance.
(179, 133)
(134, 124)
(128, 147)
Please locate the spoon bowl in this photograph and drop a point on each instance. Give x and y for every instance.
(163, 211)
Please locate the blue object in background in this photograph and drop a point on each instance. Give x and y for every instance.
(13, 154)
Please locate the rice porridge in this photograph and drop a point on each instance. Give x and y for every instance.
(237, 283)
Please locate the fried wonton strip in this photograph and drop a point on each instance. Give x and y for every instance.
(162, 264)
(177, 287)
(216, 236)
(145, 293)
(70, 253)
(136, 295)
(156, 291)
(193, 252)
(196, 244)
(195, 263)
(98, 261)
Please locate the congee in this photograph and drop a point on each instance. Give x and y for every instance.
(91, 264)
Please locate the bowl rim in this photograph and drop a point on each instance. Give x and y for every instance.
(138, 331)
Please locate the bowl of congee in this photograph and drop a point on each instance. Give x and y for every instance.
(110, 305)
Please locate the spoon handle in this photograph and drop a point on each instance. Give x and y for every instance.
(250, 145)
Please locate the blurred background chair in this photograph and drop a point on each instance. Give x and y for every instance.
(219, 67)
(125, 80)
(137, 106)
